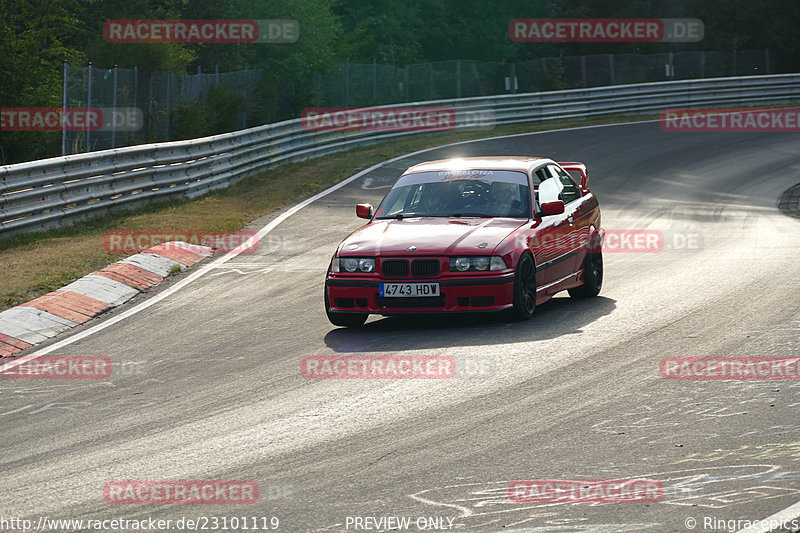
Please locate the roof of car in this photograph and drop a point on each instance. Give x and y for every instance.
(519, 163)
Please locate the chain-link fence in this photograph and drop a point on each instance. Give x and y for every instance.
(354, 85)
(139, 107)
(180, 106)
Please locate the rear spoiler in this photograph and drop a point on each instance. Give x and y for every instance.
(581, 169)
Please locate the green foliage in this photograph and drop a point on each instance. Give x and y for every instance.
(222, 113)
(37, 37)
(225, 108)
(33, 48)
(172, 57)
(190, 120)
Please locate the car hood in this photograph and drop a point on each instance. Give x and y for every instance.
(431, 236)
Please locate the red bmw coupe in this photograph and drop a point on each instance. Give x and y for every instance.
(470, 234)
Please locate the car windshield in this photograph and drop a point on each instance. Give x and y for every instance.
(458, 193)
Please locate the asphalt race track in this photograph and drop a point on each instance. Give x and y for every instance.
(575, 393)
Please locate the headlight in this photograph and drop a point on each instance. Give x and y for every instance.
(477, 263)
(350, 264)
(461, 263)
(354, 264)
(366, 264)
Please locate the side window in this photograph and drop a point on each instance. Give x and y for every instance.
(570, 190)
(549, 190)
(537, 178)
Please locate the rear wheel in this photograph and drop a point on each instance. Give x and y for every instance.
(592, 276)
(347, 320)
(524, 289)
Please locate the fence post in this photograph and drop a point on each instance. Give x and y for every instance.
(671, 66)
(611, 69)
(246, 99)
(703, 64)
(63, 113)
(583, 72)
(430, 80)
(405, 81)
(88, 105)
(135, 98)
(544, 74)
(347, 82)
(374, 80)
(114, 111)
(152, 133)
(458, 78)
(169, 75)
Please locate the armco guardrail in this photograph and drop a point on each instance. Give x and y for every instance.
(53, 192)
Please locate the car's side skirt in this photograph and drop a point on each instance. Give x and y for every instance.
(567, 282)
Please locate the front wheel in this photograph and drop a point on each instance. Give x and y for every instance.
(345, 320)
(524, 288)
(592, 276)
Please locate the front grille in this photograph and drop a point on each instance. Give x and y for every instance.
(425, 267)
(432, 301)
(394, 268)
(418, 268)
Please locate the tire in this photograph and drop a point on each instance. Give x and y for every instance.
(345, 320)
(592, 276)
(524, 289)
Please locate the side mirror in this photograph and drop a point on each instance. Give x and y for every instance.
(556, 207)
(581, 169)
(364, 210)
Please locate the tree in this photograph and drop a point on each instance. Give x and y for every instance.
(34, 41)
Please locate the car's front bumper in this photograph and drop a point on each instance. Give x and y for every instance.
(456, 294)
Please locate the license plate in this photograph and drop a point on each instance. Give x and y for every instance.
(408, 290)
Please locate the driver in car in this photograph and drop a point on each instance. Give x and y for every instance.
(435, 199)
(504, 200)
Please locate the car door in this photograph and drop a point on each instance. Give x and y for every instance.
(551, 247)
(578, 228)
